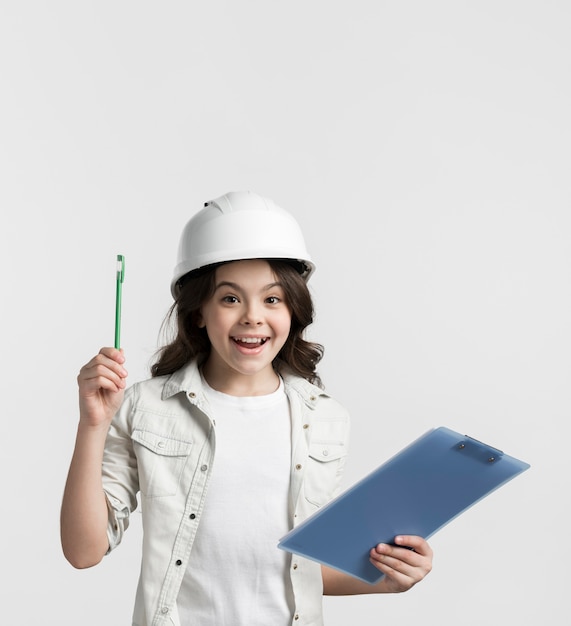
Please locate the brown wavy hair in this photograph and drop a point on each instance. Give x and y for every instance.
(191, 342)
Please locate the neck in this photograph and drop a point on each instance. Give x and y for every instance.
(236, 384)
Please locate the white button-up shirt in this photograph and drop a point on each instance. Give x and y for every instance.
(162, 443)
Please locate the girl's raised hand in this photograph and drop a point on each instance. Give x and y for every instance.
(102, 382)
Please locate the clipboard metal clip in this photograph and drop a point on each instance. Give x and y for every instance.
(479, 450)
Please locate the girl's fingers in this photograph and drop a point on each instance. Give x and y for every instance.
(101, 384)
(104, 382)
(406, 564)
(414, 542)
(104, 368)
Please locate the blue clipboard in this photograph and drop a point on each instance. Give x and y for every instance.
(416, 492)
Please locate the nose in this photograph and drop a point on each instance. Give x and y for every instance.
(252, 315)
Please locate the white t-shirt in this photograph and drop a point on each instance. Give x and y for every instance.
(236, 574)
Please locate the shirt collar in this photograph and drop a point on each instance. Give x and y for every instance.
(187, 380)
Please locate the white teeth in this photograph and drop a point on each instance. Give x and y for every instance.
(250, 339)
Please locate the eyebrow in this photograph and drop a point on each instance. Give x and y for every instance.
(227, 283)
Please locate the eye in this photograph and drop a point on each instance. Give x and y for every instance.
(230, 299)
(273, 300)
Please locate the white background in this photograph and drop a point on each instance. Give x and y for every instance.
(425, 149)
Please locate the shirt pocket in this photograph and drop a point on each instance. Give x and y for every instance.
(323, 475)
(161, 460)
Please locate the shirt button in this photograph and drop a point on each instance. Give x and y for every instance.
(306, 425)
(295, 566)
(161, 444)
(191, 394)
(178, 562)
(192, 516)
(325, 452)
(203, 468)
(298, 466)
(165, 610)
(296, 616)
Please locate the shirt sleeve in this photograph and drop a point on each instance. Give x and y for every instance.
(120, 472)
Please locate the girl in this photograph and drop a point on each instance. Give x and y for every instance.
(230, 443)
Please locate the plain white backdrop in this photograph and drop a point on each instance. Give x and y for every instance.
(425, 149)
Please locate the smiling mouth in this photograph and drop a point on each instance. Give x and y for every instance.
(252, 342)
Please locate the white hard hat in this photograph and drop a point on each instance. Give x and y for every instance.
(239, 225)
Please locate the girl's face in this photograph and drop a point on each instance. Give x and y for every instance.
(247, 321)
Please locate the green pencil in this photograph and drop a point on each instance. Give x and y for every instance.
(120, 278)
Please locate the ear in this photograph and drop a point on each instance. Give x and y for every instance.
(200, 321)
